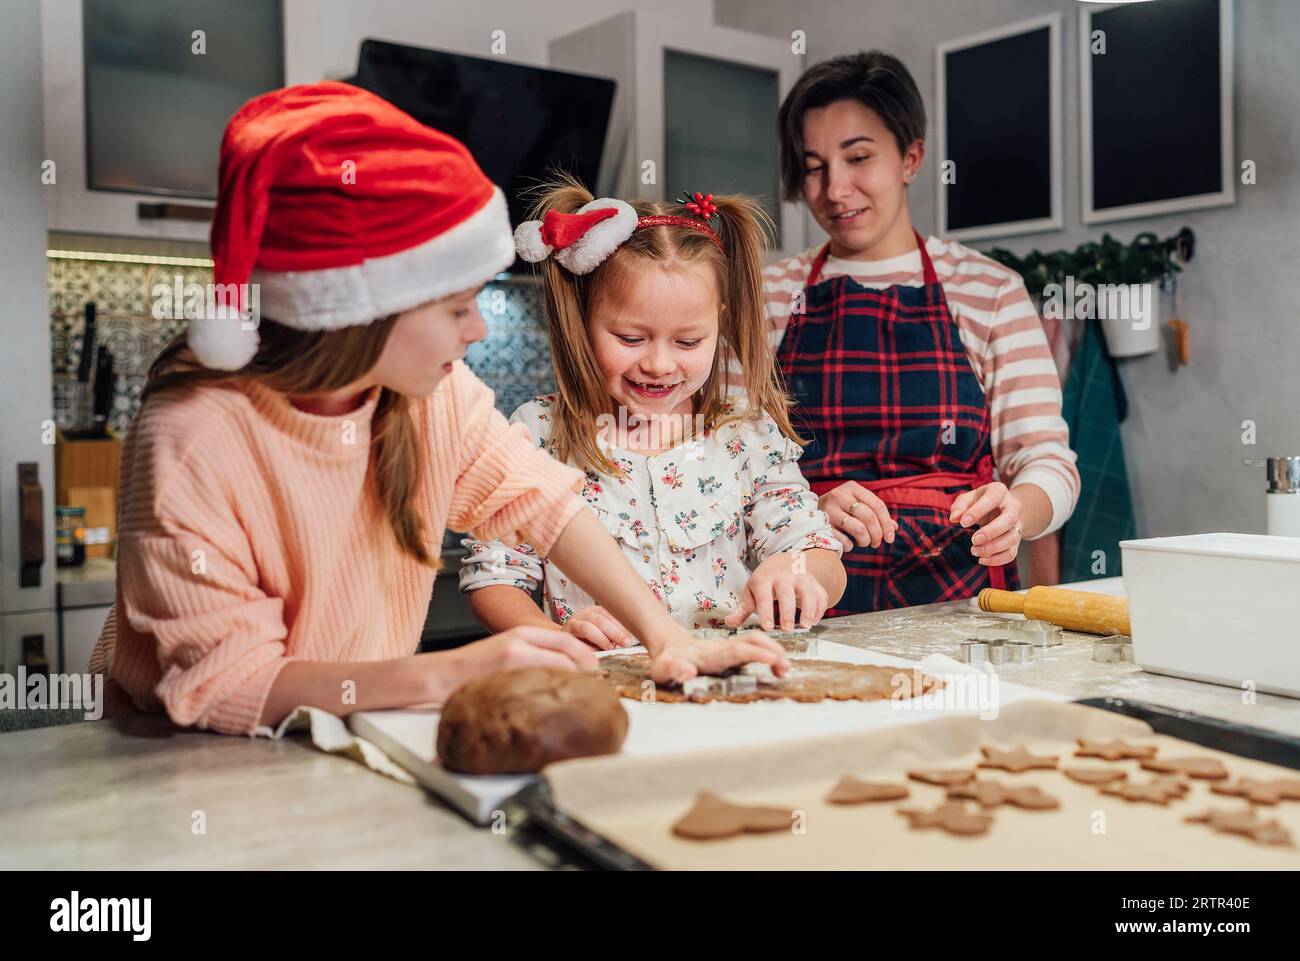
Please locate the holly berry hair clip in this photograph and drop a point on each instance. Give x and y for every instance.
(699, 204)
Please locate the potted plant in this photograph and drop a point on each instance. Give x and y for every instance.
(1122, 283)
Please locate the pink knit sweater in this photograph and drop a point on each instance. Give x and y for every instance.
(250, 535)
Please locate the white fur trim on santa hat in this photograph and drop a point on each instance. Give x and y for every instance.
(471, 253)
(223, 339)
(585, 255)
(529, 243)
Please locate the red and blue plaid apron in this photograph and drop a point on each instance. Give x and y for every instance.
(885, 394)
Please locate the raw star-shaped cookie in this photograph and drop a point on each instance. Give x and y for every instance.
(852, 791)
(943, 778)
(1160, 790)
(989, 794)
(1114, 750)
(1016, 760)
(1244, 823)
(713, 817)
(1262, 792)
(1202, 768)
(1094, 775)
(951, 816)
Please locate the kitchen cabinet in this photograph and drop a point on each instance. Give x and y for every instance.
(71, 207)
(726, 132)
(86, 594)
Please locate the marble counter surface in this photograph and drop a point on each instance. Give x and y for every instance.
(133, 794)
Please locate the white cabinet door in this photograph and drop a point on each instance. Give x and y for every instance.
(81, 627)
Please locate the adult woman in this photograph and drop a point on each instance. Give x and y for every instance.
(917, 366)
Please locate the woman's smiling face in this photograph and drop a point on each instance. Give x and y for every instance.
(854, 179)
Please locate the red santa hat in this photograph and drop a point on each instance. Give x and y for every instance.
(342, 209)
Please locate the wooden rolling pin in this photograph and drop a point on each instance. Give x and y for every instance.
(1072, 610)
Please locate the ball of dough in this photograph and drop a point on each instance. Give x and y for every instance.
(519, 721)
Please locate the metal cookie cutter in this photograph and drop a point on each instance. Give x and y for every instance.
(994, 633)
(760, 672)
(975, 652)
(701, 688)
(1019, 652)
(1116, 649)
(1039, 633)
(798, 641)
(742, 684)
(997, 652)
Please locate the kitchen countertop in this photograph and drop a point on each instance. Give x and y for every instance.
(124, 794)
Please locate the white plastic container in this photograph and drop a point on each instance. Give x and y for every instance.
(1222, 608)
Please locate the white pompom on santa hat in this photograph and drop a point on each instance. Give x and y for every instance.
(342, 210)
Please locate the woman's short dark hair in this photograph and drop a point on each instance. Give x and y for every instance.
(874, 79)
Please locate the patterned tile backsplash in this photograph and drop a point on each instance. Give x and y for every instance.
(514, 360)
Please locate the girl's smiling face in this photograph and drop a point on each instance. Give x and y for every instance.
(654, 338)
(855, 177)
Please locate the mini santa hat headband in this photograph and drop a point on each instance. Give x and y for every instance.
(583, 240)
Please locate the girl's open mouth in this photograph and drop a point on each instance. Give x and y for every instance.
(651, 390)
(849, 215)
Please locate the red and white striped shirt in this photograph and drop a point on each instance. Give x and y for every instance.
(1004, 342)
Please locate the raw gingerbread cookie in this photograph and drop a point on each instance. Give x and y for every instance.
(807, 680)
(519, 721)
(943, 778)
(713, 817)
(1016, 760)
(852, 791)
(1203, 768)
(951, 816)
(1245, 823)
(1160, 790)
(1114, 750)
(1094, 775)
(1262, 792)
(989, 794)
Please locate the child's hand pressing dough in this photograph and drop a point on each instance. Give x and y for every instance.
(599, 628)
(782, 579)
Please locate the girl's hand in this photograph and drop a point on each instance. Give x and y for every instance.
(599, 628)
(683, 657)
(524, 646)
(784, 579)
(858, 516)
(997, 511)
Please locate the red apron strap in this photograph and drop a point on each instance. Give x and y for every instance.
(927, 265)
(815, 274)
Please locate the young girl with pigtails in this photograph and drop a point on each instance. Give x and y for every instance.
(648, 305)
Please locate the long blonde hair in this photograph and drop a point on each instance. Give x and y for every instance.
(308, 362)
(742, 325)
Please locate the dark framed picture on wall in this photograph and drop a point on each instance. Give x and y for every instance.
(1155, 108)
(997, 145)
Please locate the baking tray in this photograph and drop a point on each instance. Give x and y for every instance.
(537, 807)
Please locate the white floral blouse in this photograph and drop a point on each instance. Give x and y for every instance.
(694, 520)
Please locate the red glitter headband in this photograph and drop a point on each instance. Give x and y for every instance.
(671, 220)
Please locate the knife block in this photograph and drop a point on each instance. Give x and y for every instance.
(80, 464)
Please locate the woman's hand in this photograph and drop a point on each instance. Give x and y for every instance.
(599, 628)
(858, 516)
(783, 579)
(997, 511)
(683, 657)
